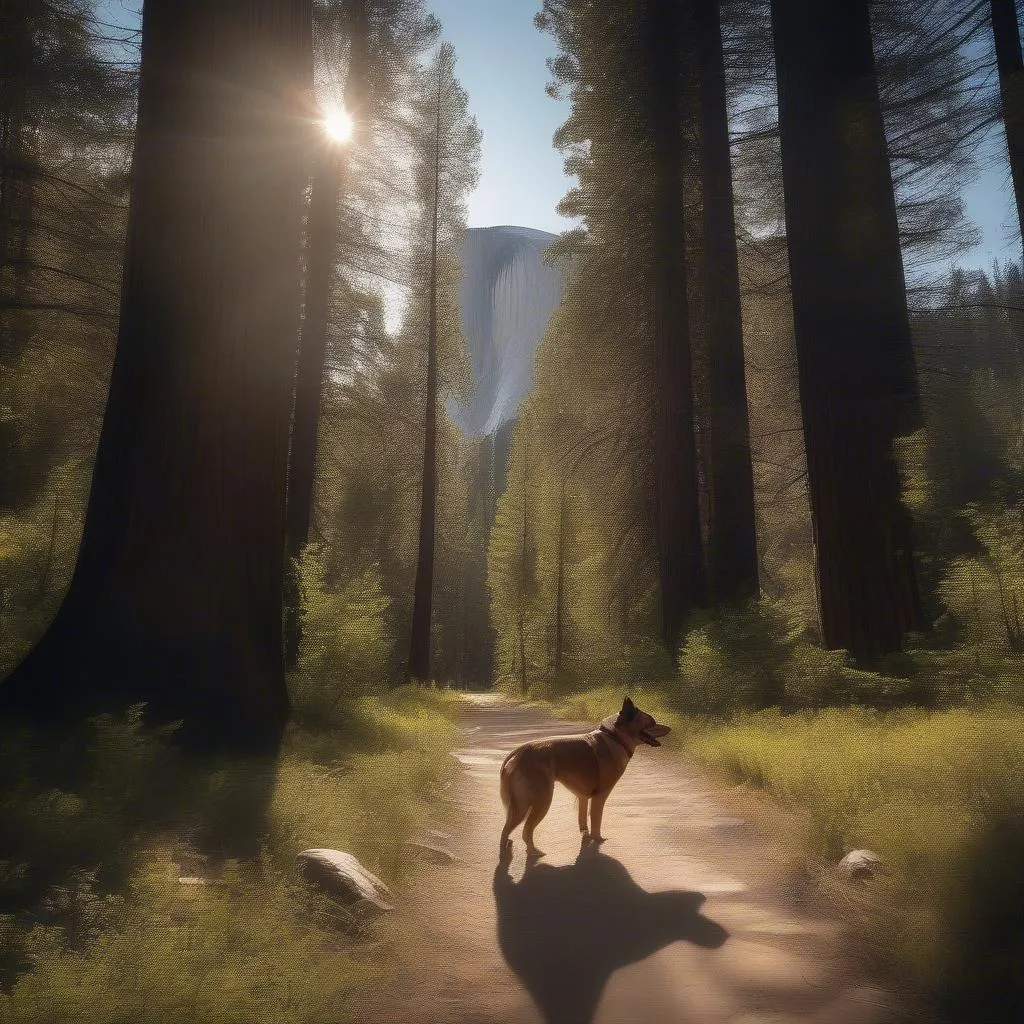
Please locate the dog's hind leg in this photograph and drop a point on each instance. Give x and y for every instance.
(513, 816)
(536, 814)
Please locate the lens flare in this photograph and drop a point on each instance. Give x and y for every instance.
(337, 124)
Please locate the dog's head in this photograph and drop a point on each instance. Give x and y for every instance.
(640, 725)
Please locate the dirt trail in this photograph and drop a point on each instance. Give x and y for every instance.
(688, 915)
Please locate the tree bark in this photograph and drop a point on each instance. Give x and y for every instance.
(732, 536)
(560, 577)
(18, 169)
(419, 647)
(1006, 32)
(858, 386)
(326, 191)
(677, 526)
(309, 374)
(176, 594)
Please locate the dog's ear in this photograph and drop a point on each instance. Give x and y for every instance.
(629, 711)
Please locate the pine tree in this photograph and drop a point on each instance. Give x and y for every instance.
(858, 387)
(380, 39)
(454, 145)
(731, 535)
(1006, 31)
(62, 101)
(628, 87)
(176, 595)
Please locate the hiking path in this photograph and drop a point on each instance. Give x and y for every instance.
(688, 914)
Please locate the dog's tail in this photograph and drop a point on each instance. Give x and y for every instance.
(506, 792)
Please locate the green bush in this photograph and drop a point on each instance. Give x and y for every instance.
(345, 643)
(734, 659)
(759, 655)
(82, 798)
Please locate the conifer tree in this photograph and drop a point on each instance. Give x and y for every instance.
(1006, 31)
(176, 595)
(454, 145)
(858, 386)
(729, 480)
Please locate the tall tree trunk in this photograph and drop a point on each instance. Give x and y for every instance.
(322, 238)
(419, 647)
(525, 566)
(176, 594)
(560, 578)
(681, 572)
(858, 386)
(1006, 32)
(732, 536)
(17, 169)
(478, 631)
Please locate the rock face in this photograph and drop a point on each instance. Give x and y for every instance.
(344, 878)
(860, 864)
(506, 297)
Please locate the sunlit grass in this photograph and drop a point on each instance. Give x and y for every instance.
(938, 795)
(257, 945)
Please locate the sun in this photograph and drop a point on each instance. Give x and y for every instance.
(337, 124)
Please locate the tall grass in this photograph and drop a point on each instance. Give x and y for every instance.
(114, 938)
(940, 796)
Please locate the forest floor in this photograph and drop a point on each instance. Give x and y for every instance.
(690, 912)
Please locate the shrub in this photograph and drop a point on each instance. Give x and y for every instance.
(345, 643)
(735, 659)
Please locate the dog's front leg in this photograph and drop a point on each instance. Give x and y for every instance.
(581, 804)
(596, 810)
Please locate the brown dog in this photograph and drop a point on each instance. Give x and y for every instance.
(588, 765)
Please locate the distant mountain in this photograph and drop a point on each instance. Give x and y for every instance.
(506, 296)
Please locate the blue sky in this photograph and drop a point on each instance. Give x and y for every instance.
(501, 62)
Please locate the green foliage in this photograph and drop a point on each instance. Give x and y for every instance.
(38, 544)
(112, 936)
(760, 655)
(240, 952)
(78, 799)
(984, 590)
(926, 791)
(345, 640)
(736, 658)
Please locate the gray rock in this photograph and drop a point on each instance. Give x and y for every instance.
(860, 864)
(431, 853)
(343, 877)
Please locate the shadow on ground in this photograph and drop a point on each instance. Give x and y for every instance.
(565, 930)
(80, 803)
(984, 978)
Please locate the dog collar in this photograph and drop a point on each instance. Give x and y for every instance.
(615, 736)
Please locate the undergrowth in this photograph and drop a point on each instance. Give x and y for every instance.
(94, 925)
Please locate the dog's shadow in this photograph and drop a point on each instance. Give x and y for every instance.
(565, 930)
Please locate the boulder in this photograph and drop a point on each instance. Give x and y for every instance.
(859, 865)
(344, 878)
